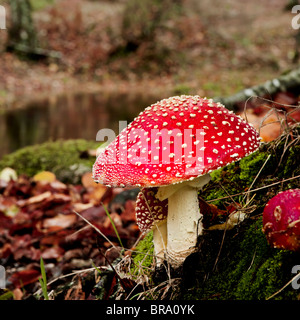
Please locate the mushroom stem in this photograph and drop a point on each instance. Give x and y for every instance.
(184, 217)
(182, 222)
(160, 241)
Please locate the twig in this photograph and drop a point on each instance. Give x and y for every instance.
(251, 263)
(242, 193)
(247, 195)
(293, 279)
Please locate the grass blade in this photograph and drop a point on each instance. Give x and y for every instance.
(43, 280)
(114, 226)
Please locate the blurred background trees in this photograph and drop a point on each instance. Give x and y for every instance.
(21, 32)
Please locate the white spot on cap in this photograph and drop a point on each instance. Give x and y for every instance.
(234, 155)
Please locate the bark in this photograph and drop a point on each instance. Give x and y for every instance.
(21, 31)
(286, 82)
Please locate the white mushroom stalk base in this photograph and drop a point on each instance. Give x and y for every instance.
(184, 217)
(160, 241)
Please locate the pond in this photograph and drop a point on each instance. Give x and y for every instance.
(69, 116)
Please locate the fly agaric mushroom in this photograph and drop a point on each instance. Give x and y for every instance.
(174, 144)
(281, 220)
(151, 214)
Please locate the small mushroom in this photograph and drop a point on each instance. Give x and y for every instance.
(174, 144)
(151, 214)
(281, 220)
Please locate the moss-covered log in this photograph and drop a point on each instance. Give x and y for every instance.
(68, 159)
(286, 82)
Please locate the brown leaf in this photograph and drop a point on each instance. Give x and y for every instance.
(116, 220)
(24, 277)
(78, 207)
(129, 213)
(88, 181)
(95, 194)
(60, 221)
(54, 252)
(36, 199)
(75, 293)
(18, 294)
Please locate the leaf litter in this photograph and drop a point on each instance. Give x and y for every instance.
(43, 218)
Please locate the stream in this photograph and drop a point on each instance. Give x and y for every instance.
(69, 116)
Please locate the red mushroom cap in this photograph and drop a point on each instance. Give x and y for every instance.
(281, 220)
(173, 140)
(149, 210)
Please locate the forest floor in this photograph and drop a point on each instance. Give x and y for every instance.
(198, 49)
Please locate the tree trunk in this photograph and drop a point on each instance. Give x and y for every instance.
(21, 32)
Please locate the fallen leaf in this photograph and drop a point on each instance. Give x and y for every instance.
(29, 252)
(88, 181)
(78, 207)
(18, 294)
(285, 98)
(95, 194)
(24, 277)
(129, 213)
(45, 177)
(116, 220)
(8, 174)
(75, 293)
(36, 199)
(57, 185)
(61, 221)
(54, 252)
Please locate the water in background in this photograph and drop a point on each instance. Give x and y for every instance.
(71, 116)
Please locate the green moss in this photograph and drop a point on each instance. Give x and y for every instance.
(143, 254)
(247, 268)
(251, 165)
(67, 159)
(235, 177)
(290, 162)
